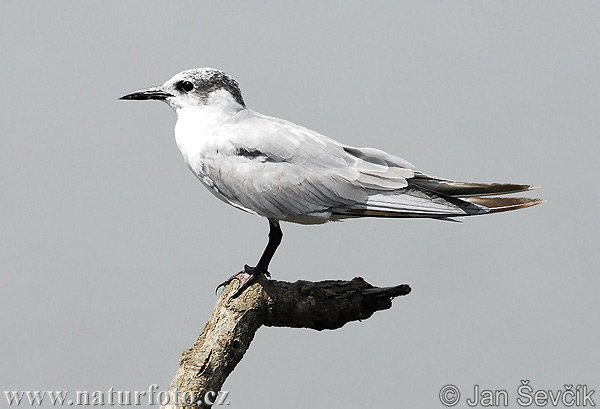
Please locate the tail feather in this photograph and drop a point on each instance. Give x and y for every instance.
(503, 204)
(422, 202)
(485, 205)
(465, 189)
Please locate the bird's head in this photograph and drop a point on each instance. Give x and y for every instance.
(198, 87)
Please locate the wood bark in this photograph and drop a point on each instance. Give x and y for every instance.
(230, 330)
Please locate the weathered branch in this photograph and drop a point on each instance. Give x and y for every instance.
(233, 323)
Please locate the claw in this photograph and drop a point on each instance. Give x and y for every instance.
(223, 284)
(244, 277)
(229, 280)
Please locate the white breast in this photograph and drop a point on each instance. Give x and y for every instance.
(192, 131)
(198, 139)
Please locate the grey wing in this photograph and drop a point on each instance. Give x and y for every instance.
(283, 171)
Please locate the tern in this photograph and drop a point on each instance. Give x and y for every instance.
(276, 169)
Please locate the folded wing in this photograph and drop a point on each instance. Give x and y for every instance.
(280, 170)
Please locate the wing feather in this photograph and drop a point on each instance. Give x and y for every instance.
(280, 170)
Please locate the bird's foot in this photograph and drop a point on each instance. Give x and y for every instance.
(256, 270)
(244, 277)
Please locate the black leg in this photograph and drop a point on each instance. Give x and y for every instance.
(275, 236)
(249, 273)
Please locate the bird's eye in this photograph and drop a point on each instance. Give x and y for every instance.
(185, 86)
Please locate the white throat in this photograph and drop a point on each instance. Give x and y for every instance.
(196, 123)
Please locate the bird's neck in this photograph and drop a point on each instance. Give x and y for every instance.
(196, 125)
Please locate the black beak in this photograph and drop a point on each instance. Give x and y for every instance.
(148, 93)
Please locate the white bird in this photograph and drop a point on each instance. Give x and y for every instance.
(285, 172)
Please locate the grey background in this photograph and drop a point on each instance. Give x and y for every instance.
(110, 249)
